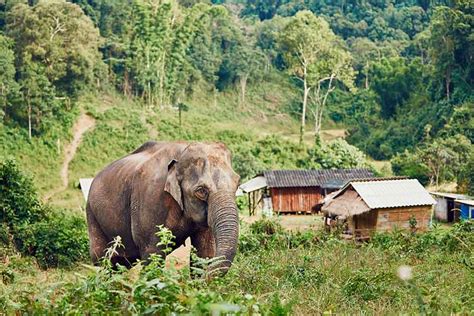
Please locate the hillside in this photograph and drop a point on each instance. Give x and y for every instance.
(374, 71)
(385, 85)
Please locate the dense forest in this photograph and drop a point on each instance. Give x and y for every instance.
(397, 75)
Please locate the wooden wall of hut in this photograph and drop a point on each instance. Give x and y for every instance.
(389, 218)
(296, 200)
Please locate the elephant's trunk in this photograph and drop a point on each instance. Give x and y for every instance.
(223, 219)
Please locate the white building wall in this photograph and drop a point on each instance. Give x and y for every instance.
(441, 208)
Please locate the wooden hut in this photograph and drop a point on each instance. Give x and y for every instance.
(380, 204)
(297, 191)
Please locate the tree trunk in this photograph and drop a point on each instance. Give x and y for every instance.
(305, 102)
(29, 119)
(321, 104)
(243, 88)
(448, 83)
(162, 80)
(126, 85)
(367, 75)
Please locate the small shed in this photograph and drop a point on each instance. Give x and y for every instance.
(369, 205)
(467, 208)
(447, 207)
(297, 191)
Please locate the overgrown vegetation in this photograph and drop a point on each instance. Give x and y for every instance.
(277, 272)
(53, 237)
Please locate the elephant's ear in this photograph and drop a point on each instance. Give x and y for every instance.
(172, 185)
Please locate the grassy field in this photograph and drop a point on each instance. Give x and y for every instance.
(286, 265)
(275, 272)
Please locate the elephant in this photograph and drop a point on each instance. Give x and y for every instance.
(188, 188)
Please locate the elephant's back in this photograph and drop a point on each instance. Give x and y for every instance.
(110, 194)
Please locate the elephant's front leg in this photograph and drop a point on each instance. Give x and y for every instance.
(203, 241)
(150, 247)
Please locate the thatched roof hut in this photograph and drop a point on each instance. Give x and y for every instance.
(381, 204)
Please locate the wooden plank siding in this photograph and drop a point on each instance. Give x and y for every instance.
(294, 200)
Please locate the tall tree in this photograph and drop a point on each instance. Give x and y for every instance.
(8, 86)
(313, 54)
(245, 63)
(452, 46)
(161, 37)
(364, 52)
(334, 67)
(57, 57)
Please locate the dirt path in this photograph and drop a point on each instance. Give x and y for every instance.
(83, 124)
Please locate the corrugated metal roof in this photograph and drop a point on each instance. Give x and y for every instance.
(467, 202)
(256, 183)
(452, 195)
(392, 193)
(312, 178)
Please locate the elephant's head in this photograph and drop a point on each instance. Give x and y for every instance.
(203, 183)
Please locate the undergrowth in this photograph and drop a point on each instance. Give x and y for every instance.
(33, 228)
(275, 272)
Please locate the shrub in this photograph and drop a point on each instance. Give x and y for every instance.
(459, 238)
(150, 290)
(266, 227)
(58, 240)
(408, 164)
(268, 233)
(19, 202)
(52, 237)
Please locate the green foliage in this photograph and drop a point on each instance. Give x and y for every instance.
(459, 238)
(61, 38)
(409, 165)
(56, 57)
(466, 177)
(342, 275)
(19, 201)
(8, 86)
(394, 81)
(253, 157)
(450, 46)
(438, 160)
(337, 154)
(54, 239)
(60, 239)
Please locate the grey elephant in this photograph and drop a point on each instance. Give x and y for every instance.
(187, 187)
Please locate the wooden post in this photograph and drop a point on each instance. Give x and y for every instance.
(250, 204)
(254, 203)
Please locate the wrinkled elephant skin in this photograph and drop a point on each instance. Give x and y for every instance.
(187, 187)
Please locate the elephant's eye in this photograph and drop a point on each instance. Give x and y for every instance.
(201, 193)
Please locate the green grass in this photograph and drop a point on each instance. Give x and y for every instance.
(274, 272)
(38, 156)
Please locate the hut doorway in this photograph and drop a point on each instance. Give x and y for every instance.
(451, 214)
(365, 224)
